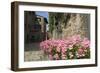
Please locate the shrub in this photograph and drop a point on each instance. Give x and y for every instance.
(73, 47)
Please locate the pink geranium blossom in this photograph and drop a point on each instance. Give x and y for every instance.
(58, 49)
(80, 51)
(56, 56)
(85, 43)
(50, 57)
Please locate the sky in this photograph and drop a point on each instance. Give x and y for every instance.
(42, 13)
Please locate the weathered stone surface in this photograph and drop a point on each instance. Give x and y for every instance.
(75, 24)
(35, 56)
(78, 24)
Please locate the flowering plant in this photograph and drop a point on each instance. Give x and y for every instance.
(73, 47)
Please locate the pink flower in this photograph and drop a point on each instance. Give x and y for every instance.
(56, 56)
(70, 47)
(50, 57)
(85, 43)
(74, 39)
(63, 56)
(49, 50)
(80, 51)
(63, 49)
(58, 49)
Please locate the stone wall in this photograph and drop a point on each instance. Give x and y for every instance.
(78, 24)
(72, 24)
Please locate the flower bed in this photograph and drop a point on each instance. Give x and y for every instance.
(73, 47)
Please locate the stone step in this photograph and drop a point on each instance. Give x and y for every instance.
(34, 56)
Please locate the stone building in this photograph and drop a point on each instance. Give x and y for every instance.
(35, 27)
